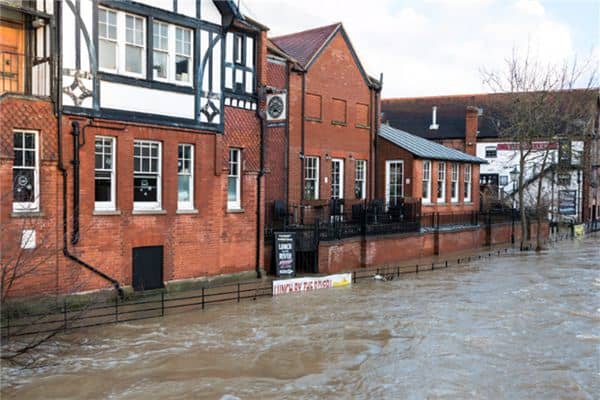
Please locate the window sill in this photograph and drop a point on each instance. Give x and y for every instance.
(27, 214)
(339, 123)
(186, 211)
(362, 126)
(149, 212)
(235, 211)
(106, 212)
(311, 119)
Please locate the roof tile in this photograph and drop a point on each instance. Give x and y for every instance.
(304, 45)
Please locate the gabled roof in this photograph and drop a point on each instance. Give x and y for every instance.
(306, 46)
(423, 148)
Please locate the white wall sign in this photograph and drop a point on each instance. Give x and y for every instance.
(307, 284)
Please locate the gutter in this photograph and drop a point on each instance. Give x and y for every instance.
(61, 165)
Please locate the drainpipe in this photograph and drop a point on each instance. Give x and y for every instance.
(61, 165)
(260, 113)
(302, 159)
(376, 123)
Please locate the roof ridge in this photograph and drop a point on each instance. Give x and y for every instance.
(305, 31)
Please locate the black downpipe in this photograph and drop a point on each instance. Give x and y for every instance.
(75, 162)
(302, 159)
(61, 165)
(377, 125)
(261, 115)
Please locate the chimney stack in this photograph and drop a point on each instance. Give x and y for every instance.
(472, 129)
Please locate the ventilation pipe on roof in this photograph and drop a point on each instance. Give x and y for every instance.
(434, 124)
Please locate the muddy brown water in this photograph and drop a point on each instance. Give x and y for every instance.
(514, 326)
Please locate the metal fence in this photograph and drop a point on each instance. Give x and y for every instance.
(17, 322)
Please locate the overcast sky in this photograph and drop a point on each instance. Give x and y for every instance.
(435, 47)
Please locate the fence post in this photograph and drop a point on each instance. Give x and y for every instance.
(354, 276)
(238, 292)
(162, 304)
(117, 310)
(203, 298)
(65, 313)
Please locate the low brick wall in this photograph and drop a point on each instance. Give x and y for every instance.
(381, 251)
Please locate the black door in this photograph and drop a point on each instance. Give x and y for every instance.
(147, 268)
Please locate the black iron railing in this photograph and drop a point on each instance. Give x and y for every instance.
(24, 75)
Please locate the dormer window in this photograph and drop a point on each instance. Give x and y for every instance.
(434, 125)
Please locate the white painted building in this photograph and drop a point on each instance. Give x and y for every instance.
(561, 179)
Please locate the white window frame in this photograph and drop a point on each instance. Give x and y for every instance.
(34, 205)
(237, 203)
(441, 179)
(189, 204)
(308, 168)
(362, 178)
(493, 151)
(189, 56)
(468, 183)
(157, 49)
(454, 183)
(150, 205)
(426, 178)
(107, 205)
(388, 191)
(108, 39)
(341, 177)
(122, 44)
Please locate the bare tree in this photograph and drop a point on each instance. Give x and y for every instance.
(540, 107)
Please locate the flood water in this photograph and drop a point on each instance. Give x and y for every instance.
(514, 326)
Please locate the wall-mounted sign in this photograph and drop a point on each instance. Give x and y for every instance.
(307, 284)
(285, 254)
(276, 108)
(567, 202)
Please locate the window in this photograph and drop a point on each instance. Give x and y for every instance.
(172, 58)
(564, 179)
(134, 44)
(360, 180)
(161, 50)
(441, 184)
(564, 152)
(311, 178)
(233, 180)
(183, 54)
(337, 178)
(146, 175)
(185, 177)
(104, 174)
(26, 184)
(107, 35)
(238, 50)
(394, 177)
(503, 180)
(122, 42)
(426, 192)
(491, 152)
(467, 183)
(454, 183)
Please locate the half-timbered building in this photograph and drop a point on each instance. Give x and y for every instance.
(130, 136)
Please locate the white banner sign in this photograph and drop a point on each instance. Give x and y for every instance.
(306, 284)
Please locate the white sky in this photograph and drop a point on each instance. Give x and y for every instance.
(435, 47)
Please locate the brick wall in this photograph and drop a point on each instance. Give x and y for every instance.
(333, 75)
(209, 241)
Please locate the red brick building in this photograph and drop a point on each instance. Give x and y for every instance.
(321, 147)
(140, 162)
(446, 180)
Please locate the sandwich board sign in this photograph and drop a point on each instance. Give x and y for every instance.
(285, 263)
